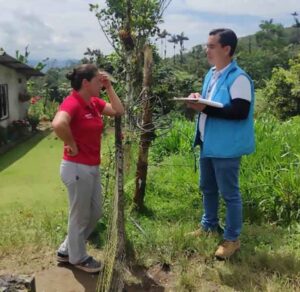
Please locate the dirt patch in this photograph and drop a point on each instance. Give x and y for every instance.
(155, 279)
(26, 261)
(42, 265)
(65, 278)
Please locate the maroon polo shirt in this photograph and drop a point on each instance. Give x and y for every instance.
(86, 127)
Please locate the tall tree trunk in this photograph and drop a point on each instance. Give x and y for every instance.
(129, 90)
(147, 133)
(117, 283)
(181, 54)
(174, 53)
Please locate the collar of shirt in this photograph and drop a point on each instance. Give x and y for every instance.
(214, 79)
(86, 105)
(216, 73)
(90, 106)
(82, 102)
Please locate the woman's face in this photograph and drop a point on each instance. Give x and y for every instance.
(95, 85)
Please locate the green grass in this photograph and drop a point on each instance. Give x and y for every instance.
(32, 181)
(34, 205)
(270, 256)
(269, 259)
(33, 211)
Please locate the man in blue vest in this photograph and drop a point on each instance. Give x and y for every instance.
(224, 135)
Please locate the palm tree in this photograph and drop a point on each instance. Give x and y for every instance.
(174, 40)
(162, 35)
(181, 38)
(297, 23)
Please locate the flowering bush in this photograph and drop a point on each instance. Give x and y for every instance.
(35, 99)
(41, 109)
(35, 111)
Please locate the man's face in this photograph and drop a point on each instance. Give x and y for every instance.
(216, 54)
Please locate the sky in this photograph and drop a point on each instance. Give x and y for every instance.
(63, 29)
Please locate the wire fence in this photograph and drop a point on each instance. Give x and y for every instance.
(111, 277)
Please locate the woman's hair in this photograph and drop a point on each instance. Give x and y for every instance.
(85, 71)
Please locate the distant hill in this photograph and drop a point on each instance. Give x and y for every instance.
(54, 63)
(292, 35)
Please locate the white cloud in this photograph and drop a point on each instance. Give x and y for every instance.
(264, 8)
(55, 29)
(197, 29)
(65, 28)
(197, 17)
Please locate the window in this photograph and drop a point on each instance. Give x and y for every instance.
(3, 101)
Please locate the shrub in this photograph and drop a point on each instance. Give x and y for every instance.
(178, 139)
(270, 180)
(35, 111)
(270, 177)
(41, 109)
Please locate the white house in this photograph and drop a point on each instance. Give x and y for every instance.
(13, 77)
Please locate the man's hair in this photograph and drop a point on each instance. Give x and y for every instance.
(84, 71)
(227, 38)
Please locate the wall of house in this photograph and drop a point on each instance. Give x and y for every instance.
(16, 83)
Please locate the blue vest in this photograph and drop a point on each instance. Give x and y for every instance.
(224, 138)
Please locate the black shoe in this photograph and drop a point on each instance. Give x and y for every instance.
(62, 258)
(90, 265)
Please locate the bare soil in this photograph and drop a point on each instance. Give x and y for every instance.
(50, 276)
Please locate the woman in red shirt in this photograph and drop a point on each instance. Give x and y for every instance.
(78, 123)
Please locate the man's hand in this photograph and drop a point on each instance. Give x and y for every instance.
(195, 105)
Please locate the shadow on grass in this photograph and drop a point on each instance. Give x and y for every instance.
(143, 212)
(261, 271)
(261, 261)
(144, 283)
(99, 235)
(19, 150)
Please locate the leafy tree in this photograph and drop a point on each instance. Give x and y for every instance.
(282, 91)
(127, 25)
(195, 62)
(268, 50)
(271, 35)
(260, 63)
(97, 57)
(23, 58)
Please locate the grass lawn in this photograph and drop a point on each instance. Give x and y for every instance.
(29, 175)
(33, 216)
(33, 205)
